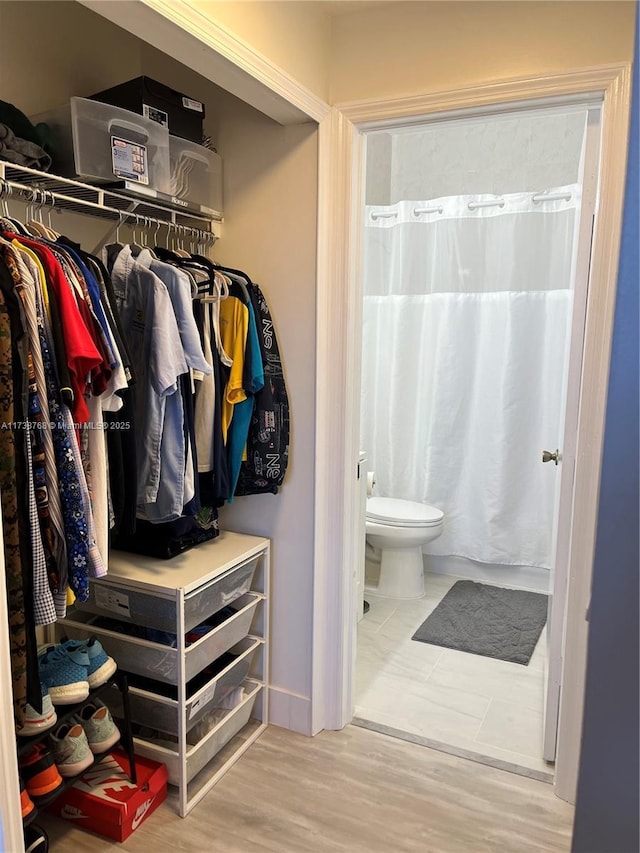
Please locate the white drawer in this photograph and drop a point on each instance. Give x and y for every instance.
(115, 599)
(158, 661)
(151, 708)
(198, 756)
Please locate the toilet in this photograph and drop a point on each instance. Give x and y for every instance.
(399, 529)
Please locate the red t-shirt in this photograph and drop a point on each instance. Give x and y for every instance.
(82, 355)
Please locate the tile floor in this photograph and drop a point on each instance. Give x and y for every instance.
(473, 704)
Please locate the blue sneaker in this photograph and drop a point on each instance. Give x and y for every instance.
(101, 666)
(64, 674)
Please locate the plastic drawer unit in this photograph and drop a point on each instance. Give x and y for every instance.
(103, 143)
(193, 633)
(196, 175)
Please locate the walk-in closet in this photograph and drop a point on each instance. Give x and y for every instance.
(261, 562)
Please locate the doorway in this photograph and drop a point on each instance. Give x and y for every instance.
(474, 266)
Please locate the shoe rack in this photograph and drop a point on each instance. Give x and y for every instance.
(117, 681)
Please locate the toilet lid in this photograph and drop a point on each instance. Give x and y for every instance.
(405, 513)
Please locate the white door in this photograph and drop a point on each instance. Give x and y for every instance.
(563, 466)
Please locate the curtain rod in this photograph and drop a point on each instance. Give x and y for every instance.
(536, 198)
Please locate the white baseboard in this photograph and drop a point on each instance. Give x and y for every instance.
(290, 711)
(532, 578)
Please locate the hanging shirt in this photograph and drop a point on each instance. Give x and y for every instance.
(243, 411)
(158, 360)
(207, 409)
(234, 323)
(32, 278)
(82, 355)
(268, 440)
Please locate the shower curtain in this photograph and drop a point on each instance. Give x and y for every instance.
(467, 307)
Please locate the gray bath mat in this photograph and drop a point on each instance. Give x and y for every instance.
(487, 620)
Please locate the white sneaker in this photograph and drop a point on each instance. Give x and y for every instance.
(39, 721)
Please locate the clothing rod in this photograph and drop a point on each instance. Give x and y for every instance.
(42, 199)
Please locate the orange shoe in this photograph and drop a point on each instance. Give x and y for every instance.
(26, 803)
(39, 772)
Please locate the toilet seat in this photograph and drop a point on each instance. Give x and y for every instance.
(395, 512)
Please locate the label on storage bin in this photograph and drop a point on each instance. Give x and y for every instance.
(190, 104)
(202, 700)
(156, 115)
(129, 160)
(115, 602)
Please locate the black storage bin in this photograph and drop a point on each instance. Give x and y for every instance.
(182, 115)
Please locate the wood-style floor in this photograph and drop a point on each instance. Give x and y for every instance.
(354, 791)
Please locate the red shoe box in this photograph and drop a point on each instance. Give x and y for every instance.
(104, 800)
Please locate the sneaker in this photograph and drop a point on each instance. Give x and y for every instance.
(64, 674)
(101, 666)
(97, 722)
(40, 774)
(70, 749)
(26, 803)
(39, 721)
(36, 840)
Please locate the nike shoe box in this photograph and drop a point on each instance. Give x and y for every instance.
(104, 800)
(181, 115)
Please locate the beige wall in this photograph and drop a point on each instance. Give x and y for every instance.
(418, 47)
(269, 230)
(292, 35)
(51, 51)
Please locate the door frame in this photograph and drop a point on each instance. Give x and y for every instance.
(338, 372)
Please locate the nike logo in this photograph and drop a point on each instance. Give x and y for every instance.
(72, 812)
(140, 813)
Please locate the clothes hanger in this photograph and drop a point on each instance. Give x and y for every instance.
(180, 252)
(34, 220)
(135, 247)
(53, 234)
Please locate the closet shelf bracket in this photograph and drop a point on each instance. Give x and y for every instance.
(47, 191)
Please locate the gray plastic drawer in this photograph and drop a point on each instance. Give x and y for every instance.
(198, 756)
(109, 598)
(160, 662)
(162, 713)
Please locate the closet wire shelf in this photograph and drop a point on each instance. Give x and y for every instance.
(47, 191)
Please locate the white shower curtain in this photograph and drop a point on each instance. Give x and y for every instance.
(466, 320)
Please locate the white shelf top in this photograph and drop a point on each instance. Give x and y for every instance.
(187, 571)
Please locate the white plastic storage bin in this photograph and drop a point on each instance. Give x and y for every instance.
(99, 142)
(196, 174)
(158, 661)
(149, 707)
(108, 596)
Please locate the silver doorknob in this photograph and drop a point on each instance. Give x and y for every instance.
(547, 456)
